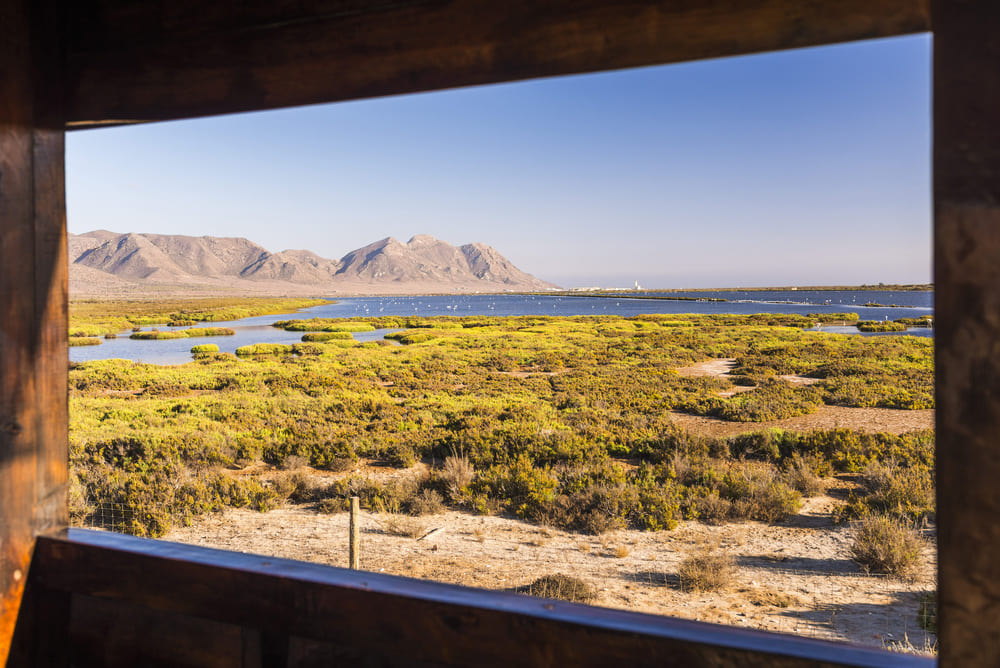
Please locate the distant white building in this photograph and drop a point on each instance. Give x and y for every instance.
(637, 286)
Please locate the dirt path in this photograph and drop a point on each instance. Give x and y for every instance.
(826, 417)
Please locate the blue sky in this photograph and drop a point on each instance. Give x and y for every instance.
(803, 167)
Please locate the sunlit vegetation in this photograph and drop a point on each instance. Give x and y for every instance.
(84, 341)
(99, 317)
(317, 337)
(922, 321)
(183, 333)
(324, 325)
(880, 326)
(563, 421)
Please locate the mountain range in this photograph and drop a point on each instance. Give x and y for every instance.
(103, 262)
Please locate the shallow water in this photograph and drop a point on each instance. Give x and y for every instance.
(259, 329)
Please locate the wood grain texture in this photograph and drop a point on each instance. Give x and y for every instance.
(309, 610)
(33, 283)
(163, 59)
(967, 327)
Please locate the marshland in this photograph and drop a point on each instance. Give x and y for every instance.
(788, 467)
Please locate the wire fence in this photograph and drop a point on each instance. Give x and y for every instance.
(116, 517)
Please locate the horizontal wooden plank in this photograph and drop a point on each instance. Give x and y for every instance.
(134, 61)
(399, 621)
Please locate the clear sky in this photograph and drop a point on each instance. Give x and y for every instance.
(803, 167)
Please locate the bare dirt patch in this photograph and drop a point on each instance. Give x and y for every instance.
(529, 374)
(826, 417)
(716, 367)
(794, 577)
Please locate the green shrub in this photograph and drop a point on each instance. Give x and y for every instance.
(318, 337)
(264, 349)
(84, 341)
(880, 326)
(205, 348)
(183, 333)
(891, 489)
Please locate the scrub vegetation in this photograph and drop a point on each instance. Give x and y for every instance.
(562, 421)
(100, 317)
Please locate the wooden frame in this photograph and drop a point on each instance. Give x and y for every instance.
(94, 62)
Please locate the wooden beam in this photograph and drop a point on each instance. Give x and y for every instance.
(288, 607)
(967, 327)
(163, 59)
(33, 286)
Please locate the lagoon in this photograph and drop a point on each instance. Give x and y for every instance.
(259, 330)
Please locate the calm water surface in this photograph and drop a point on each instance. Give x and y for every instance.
(259, 329)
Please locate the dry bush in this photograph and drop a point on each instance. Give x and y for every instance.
(296, 487)
(395, 524)
(707, 571)
(332, 505)
(564, 587)
(801, 476)
(759, 493)
(712, 509)
(621, 551)
(598, 522)
(457, 473)
(292, 462)
(427, 502)
(884, 544)
(340, 464)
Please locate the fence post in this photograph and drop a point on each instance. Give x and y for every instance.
(355, 539)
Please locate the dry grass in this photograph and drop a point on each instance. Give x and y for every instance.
(707, 570)
(905, 646)
(621, 551)
(457, 473)
(395, 524)
(560, 586)
(767, 596)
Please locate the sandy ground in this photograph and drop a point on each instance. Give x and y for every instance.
(796, 576)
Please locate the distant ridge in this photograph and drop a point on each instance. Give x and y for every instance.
(103, 262)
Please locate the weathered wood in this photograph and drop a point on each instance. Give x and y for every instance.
(33, 271)
(164, 59)
(967, 335)
(396, 621)
(113, 634)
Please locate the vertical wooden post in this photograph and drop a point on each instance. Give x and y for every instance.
(967, 327)
(33, 293)
(355, 538)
